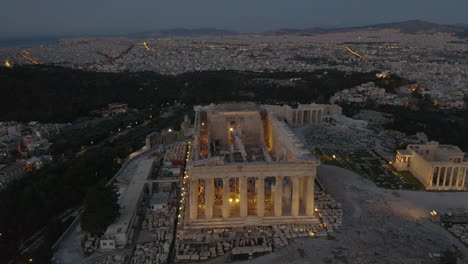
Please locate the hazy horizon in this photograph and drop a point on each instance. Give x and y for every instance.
(57, 18)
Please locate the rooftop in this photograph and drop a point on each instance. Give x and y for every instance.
(434, 152)
(129, 197)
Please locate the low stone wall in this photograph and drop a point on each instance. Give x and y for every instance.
(460, 231)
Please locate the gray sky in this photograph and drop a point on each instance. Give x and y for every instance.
(114, 16)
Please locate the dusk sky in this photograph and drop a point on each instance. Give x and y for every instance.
(32, 17)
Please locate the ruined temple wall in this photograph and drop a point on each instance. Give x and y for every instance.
(248, 124)
(282, 141)
(315, 112)
(420, 168)
(218, 129)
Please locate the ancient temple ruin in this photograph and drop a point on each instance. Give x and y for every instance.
(436, 166)
(246, 167)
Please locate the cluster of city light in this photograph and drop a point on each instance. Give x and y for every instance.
(433, 213)
(184, 183)
(382, 75)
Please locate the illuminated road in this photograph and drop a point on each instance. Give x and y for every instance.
(29, 59)
(355, 53)
(146, 46)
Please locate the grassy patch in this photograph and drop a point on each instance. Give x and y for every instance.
(360, 154)
(365, 164)
(332, 162)
(411, 182)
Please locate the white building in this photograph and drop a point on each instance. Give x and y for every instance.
(437, 167)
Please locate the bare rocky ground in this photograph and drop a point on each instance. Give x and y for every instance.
(379, 225)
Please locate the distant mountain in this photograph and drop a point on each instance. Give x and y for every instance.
(177, 32)
(307, 31)
(417, 26)
(409, 27)
(465, 25)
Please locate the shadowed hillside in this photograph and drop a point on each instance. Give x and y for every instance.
(55, 94)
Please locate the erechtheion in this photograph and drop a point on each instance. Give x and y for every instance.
(437, 167)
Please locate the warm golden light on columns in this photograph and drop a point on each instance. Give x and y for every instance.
(243, 196)
(226, 206)
(193, 199)
(295, 196)
(209, 197)
(279, 196)
(260, 188)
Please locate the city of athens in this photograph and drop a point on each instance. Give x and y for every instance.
(210, 132)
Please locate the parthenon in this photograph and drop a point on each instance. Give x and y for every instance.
(246, 166)
(437, 167)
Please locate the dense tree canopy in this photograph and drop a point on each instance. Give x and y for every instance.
(101, 208)
(48, 93)
(37, 200)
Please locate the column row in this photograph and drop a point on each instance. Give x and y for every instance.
(301, 117)
(302, 188)
(448, 176)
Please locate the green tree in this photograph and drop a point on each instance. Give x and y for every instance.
(101, 208)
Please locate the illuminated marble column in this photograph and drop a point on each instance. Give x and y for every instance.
(194, 199)
(301, 187)
(445, 176)
(435, 172)
(429, 183)
(463, 181)
(309, 199)
(209, 197)
(450, 176)
(226, 206)
(438, 177)
(243, 196)
(279, 196)
(260, 188)
(295, 196)
(454, 178)
(461, 175)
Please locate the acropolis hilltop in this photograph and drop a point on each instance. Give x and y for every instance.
(248, 168)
